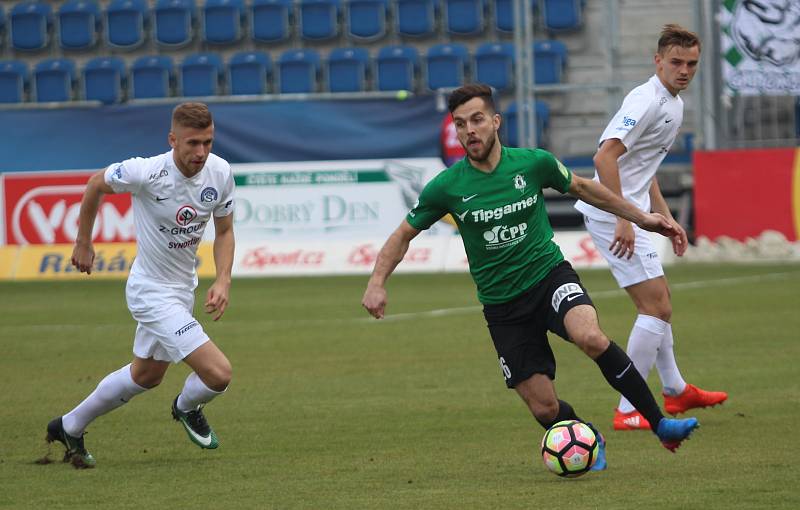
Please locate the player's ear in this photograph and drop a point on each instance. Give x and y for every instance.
(171, 139)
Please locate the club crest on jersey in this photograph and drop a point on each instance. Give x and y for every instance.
(185, 215)
(118, 172)
(519, 182)
(209, 195)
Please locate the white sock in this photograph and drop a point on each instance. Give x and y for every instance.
(195, 393)
(671, 378)
(646, 337)
(116, 389)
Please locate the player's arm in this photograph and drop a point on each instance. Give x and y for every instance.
(680, 241)
(391, 254)
(594, 193)
(224, 243)
(83, 252)
(605, 161)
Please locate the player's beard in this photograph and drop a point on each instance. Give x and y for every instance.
(483, 155)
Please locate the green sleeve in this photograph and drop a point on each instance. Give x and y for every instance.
(428, 209)
(557, 176)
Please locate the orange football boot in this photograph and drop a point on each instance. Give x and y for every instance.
(691, 398)
(630, 421)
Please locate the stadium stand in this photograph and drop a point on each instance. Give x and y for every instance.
(446, 65)
(319, 19)
(348, 70)
(271, 20)
(174, 22)
(366, 19)
(200, 75)
(563, 15)
(54, 79)
(415, 18)
(509, 130)
(104, 79)
(223, 21)
(504, 14)
(298, 71)
(152, 77)
(249, 72)
(78, 24)
(494, 65)
(126, 22)
(30, 23)
(464, 17)
(550, 60)
(13, 81)
(397, 68)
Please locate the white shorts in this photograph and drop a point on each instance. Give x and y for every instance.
(644, 264)
(167, 331)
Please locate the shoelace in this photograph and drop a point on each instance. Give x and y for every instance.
(198, 421)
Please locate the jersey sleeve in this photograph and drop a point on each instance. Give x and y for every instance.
(226, 204)
(126, 177)
(428, 209)
(631, 120)
(556, 175)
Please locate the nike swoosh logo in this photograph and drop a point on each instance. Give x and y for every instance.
(205, 441)
(619, 376)
(667, 121)
(467, 199)
(462, 215)
(570, 298)
(161, 199)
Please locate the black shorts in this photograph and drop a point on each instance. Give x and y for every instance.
(519, 327)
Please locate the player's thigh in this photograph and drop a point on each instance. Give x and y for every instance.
(210, 364)
(651, 297)
(565, 292)
(643, 265)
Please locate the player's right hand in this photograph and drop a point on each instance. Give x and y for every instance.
(374, 300)
(624, 239)
(83, 257)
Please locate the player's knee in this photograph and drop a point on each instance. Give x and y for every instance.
(545, 412)
(593, 342)
(147, 380)
(219, 376)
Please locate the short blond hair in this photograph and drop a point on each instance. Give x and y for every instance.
(192, 115)
(676, 35)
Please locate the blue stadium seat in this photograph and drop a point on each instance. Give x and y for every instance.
(222, 21)
(504, 14)
(510, 122)
(78, 24)
(271, 20)
(319, 19)
(249, 72)
(126, 21)
(494, 65)
(298, 71)
(562, 15)
(30, 25)
(13, 80)
(152, 77)
(446, 65)
(53, 79)
(347, 69)
(200, 75)
(366, 19)
(397, 68)
(104, 79)
(550, 59)
(174, 20)
(464, 17)
(416, 18)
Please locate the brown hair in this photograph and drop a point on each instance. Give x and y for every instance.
(676, 35)
(463, 94)
(192, 115)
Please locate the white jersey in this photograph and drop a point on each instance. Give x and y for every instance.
(170, 213)
(647, 124)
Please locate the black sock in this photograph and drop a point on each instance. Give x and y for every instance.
(565, 412)
(620, 373)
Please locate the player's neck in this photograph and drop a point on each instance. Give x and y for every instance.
(188, 173)
(673, 92)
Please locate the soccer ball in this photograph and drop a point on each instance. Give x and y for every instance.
(569, 448)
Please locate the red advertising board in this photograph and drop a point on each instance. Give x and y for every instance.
(43, 208)
(742, 193)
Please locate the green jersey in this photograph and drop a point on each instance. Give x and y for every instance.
(501, 217)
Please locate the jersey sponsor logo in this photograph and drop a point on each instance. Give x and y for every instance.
(186, 327)
(159, 175)
(562, 169)
(662, 101)
(185, 215)
(172, 245)
(117, 173)
(467, 199)
(519, 182)
(568, 291)
(228, 204)
(209, 194)
(486, 215)
(502, 236)
(191, 229)
(628, 122)
(462, 215)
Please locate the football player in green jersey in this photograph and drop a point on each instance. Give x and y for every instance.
(523, 281)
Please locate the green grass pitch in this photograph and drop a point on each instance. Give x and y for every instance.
(329, 409)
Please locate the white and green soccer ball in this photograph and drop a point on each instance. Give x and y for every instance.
(569, 448)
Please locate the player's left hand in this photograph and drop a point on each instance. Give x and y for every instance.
(217, 299)
(679, 241)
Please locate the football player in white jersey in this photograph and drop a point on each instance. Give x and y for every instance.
(174, 197)
(631, 148)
